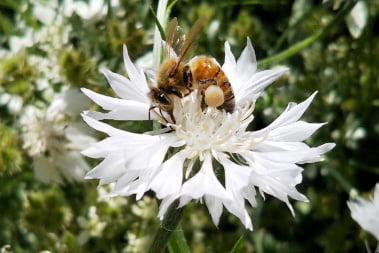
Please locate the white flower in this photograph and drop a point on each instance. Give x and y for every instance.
(89, 9)
(91, 226)
(53, 142)
(267, 159)
(13, 102)
(366, 213)
(136, 244)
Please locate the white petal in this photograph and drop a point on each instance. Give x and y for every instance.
(138, 112)
(121, 109)
(315, 154)
(230, 64)
(247, 62)
(124, 181)
(102, 127)
(252, 88)
(215, 208)
(126, 89)
(102, 148)
(203, 183)
(240, 212)
(365, 212)
(236, 176)
(292, 113)
(138, 187)
(169, 179)
(280, 156)
(112, 166)
(376, 194)
(268, 146)
(165, 204)
(297, 131)
(136, 76)
(151, 74)
(249, 194)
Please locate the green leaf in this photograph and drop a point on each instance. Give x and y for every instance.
(236, 245)
(169, 8)
(159, 25)
(177, 242)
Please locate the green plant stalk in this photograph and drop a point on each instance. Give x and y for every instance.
(168, 226)
(349, 4)
(177, 242)
(343, 182)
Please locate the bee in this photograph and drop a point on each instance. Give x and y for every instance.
(173, 75)
(177, 79)
(210, 79)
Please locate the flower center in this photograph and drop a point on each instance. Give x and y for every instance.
(210, 130)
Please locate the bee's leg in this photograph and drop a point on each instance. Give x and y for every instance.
(172, 117)
(161, 113)
(203, 104)
(188, 79)
(151, 108)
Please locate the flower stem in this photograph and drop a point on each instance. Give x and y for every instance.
(349, 4)
(169, 224)
(177, 242)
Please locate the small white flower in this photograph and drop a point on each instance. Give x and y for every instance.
(89, 9)
(13, 102)
(366, 212)
(136, 244)
(267, 159)
(91, 226)
(53, 142)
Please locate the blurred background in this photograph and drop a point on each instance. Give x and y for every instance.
(49, 49)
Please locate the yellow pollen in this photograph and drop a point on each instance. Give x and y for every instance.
(214, 96)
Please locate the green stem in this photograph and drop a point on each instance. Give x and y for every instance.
(177, 242)
(169, 224)
(343, 182)
(349, 4)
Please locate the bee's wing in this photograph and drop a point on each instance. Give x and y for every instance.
(174, 39)
(191, 38)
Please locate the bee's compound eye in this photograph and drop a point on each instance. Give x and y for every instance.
(163, 99)
(214, 96)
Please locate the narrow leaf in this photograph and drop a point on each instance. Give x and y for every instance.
(236, 245)
(159, 25)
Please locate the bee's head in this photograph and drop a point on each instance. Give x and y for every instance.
(160, 98)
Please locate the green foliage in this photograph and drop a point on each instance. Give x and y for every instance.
(10, 155)
(73, 217)
(15, 74)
